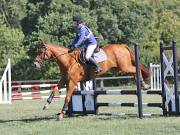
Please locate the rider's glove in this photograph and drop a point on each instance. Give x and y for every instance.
(71, 48)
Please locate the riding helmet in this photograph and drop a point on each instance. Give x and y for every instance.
(77, 18)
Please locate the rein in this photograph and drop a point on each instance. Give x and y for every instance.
(50, 59)
(54, 57)
(57, 56)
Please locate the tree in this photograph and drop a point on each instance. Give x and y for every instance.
(10, 44)
(56, 26)
(118, 21)
(12, 12)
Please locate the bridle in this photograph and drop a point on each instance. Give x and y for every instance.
(45, 53)
(43, 56)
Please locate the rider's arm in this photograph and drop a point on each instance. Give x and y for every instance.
(74, 41)
(81, 36)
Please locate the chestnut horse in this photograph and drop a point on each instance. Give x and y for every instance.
(119, 56)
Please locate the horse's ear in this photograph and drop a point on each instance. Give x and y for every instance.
(41, 42)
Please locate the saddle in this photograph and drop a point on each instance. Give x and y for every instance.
(99, 55)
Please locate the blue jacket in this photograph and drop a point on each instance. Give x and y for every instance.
(83, 37)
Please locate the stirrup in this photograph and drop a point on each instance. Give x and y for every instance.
(97, 70)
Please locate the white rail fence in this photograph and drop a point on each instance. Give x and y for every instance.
(5, 85)
(6, 88)
(155, 77)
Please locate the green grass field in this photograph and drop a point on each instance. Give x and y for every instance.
(28, 118)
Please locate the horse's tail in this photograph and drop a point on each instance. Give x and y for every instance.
(146, 72)
(132, 55)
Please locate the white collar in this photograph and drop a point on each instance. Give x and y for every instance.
(80, 25)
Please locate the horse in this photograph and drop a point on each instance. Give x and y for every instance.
(119, 57)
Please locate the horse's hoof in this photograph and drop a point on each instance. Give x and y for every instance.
(146, 87)
(45, 107)
(59, 117)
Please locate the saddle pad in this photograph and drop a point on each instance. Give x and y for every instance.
(100, 56)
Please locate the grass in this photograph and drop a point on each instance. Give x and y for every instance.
(27, 118)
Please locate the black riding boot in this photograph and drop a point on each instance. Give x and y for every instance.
(97, 68)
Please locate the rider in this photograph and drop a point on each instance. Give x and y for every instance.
(85, 37)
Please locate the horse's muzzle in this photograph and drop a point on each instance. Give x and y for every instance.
(37, 65)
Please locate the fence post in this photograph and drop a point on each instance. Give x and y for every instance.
(5, 85)
(9, 82)
(139, 95)
(175, 77)
(170, 95)
(162, 80)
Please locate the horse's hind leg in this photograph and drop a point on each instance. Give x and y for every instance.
(144, 86)
(54, 90)
(72, 85)
(132, 70)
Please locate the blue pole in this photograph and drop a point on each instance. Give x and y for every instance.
(162, 80)
(138, 83)
(175, 77)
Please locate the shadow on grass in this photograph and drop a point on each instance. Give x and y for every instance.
(109, 116)
(44, 118)
(101, 116)
(28, 120)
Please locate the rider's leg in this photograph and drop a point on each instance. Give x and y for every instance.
(89, 51)
(97, 68)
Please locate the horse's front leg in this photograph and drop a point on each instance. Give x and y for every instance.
(71, 87)
(54, 90)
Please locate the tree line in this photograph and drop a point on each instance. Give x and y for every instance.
(24, 22)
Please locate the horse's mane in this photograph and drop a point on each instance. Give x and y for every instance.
(58, 46)
(74, 54)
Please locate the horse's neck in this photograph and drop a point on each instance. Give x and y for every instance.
(61, 55)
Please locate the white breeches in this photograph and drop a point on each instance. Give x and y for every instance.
(89, 51)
